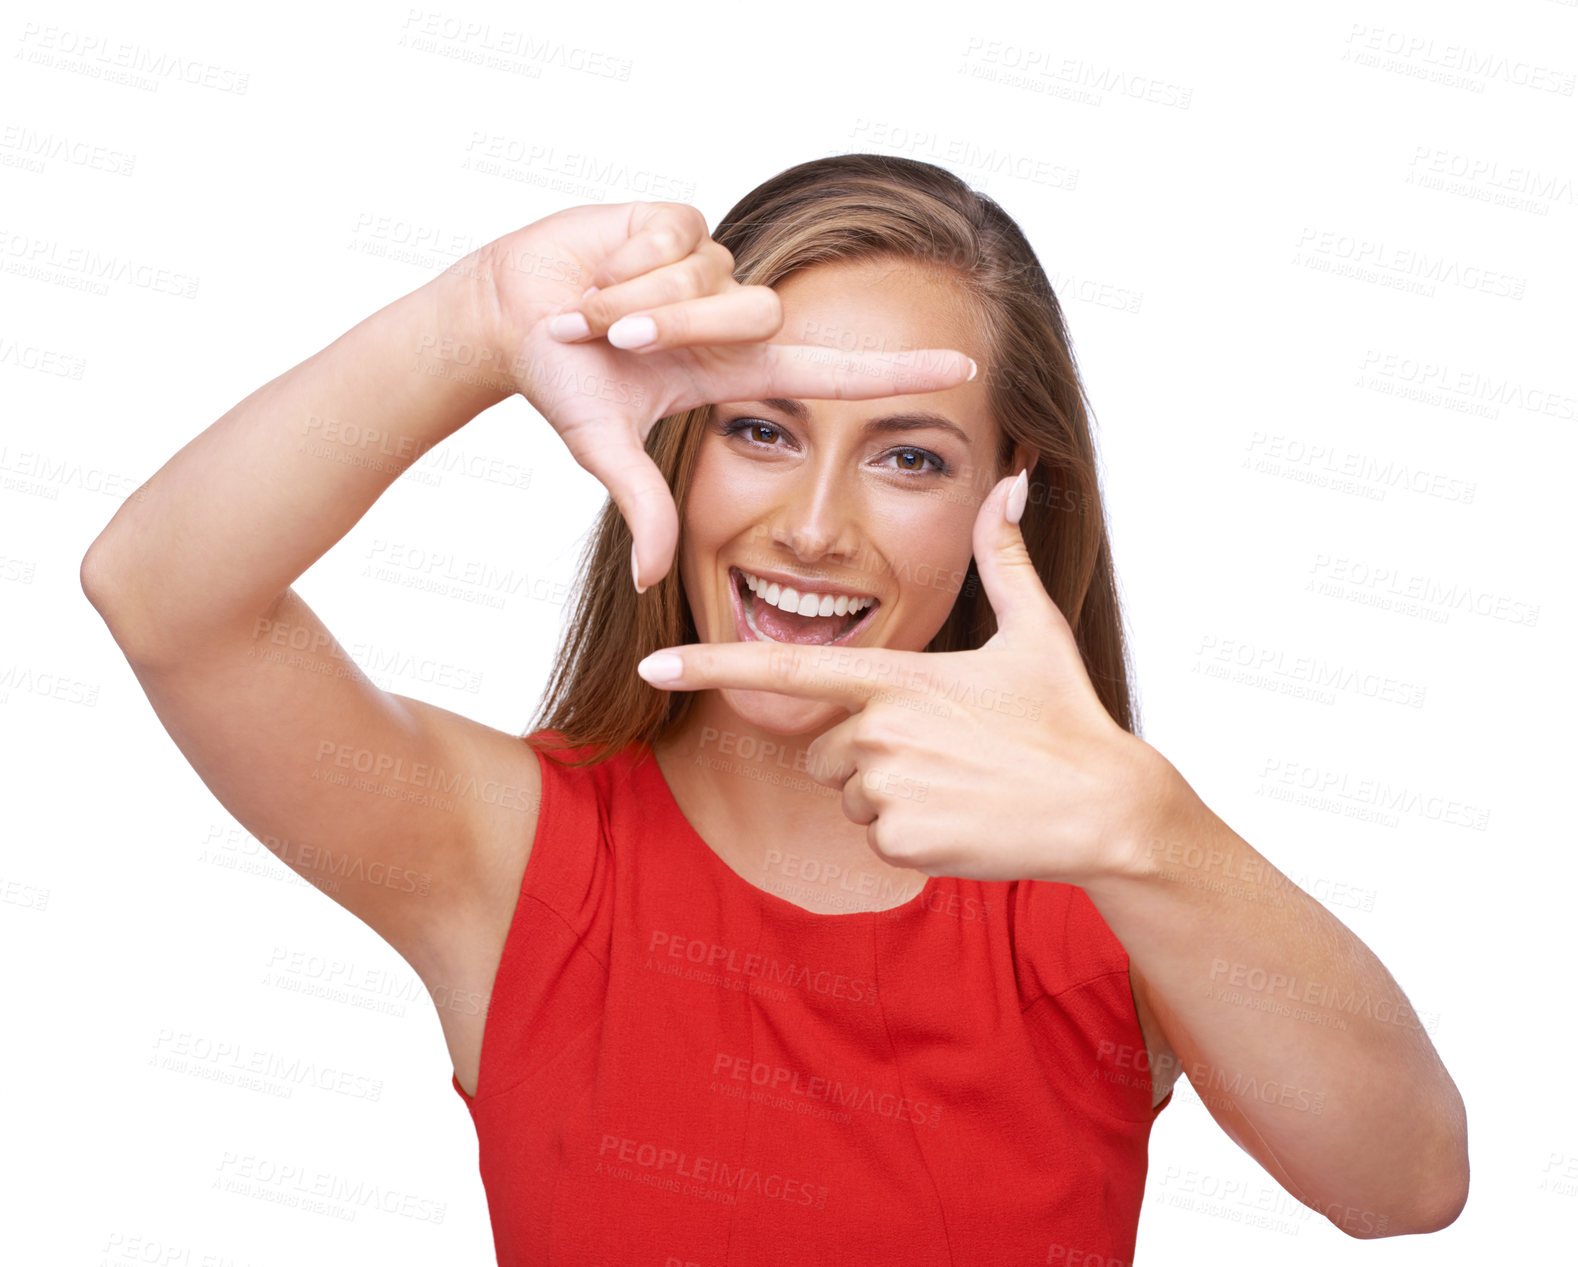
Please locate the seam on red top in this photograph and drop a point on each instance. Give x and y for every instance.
(1151, 1113)
(580, 937)
(898, 1067)
(489, 1094)
(1078, 985)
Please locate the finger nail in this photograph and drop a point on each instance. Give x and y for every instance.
(635, 570)
(590, 290)
(569, 325)
(1016, 498)
(661, 668)
(632, 332)
(973, 367)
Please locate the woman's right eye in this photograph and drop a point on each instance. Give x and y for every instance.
(751, 425)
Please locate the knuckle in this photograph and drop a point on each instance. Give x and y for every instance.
(782, 666)
(720, 259)
(880, 838)
(599, 310)
(696, 277)
(674, 325)
(876, 730)
(765, 307)
(839, 385)
(641, 492)
(665, 242)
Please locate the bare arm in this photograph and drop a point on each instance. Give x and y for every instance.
(1299, 1041)
(218, 533)
(193, 575)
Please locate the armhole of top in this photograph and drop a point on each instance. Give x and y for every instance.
(560, 884)
(1099, 928)
(1072, 954)
(1135, 1004)
(546, 804)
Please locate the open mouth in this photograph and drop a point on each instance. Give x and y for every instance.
(758, 620)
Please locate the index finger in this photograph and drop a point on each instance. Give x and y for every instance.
(809, 372)
(849, 676)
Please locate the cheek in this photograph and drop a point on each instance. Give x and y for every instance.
(931, 554)
(723, 509)
(934, 541)
(716, 520)
(704, 508)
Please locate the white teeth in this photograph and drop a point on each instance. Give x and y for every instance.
(791, 600)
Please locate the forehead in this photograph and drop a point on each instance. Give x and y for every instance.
(881, 304)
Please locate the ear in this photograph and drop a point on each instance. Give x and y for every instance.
(1025, 458)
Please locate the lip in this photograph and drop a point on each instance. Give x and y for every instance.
(806, 584)
(742, 628)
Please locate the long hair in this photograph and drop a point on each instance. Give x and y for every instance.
(854, 207)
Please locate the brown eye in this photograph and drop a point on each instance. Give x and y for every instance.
(751, 428)
(922, 456)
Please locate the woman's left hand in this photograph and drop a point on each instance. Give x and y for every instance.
(994, 764)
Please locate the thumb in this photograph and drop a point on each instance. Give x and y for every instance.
(613, 452)
(1008, 573)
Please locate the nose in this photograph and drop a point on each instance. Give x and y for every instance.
(818, 518)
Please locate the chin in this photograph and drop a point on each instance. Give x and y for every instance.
(783, 714)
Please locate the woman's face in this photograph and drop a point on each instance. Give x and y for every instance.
(838, 497)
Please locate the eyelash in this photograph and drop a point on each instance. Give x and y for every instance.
(744, 424)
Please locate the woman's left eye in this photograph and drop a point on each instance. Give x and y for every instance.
(922, 455)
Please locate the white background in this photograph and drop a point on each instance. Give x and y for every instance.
(1289, 243)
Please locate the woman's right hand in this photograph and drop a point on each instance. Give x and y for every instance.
(658, 260)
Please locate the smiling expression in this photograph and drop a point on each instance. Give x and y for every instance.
(842, 500)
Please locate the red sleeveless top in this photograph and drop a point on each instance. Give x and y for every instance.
(681, 1069)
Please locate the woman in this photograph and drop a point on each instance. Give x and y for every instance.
(881, 942)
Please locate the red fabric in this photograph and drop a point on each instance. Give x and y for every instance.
(679, 1068)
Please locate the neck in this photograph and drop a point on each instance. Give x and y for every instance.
(749, 794)
(759, 779)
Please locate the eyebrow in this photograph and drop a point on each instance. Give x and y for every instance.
(913, 420)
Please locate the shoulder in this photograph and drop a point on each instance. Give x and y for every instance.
(1059, 938)
(1062, 945)
(580, 774)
